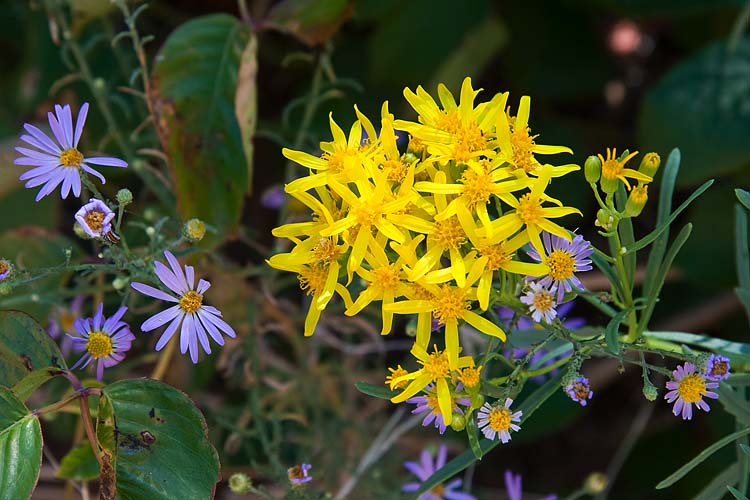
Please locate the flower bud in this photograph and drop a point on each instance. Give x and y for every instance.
(649, 390)
(150, 231)
(240, 483)
(604, 219)
(650, 164)
(99, 85)
(5, 288)
(458, 423)
(608, 185)
(592, 169)
(194, 230)
(124, 196)
(595, 483)
(636, 200)
(150, 214)
(477, 400)
(119, 283)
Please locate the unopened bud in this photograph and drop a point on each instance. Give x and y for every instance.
(99, 85)
(150, 214)
(595, 483)
(240, 483)
(124, 196)
(138, 165)
(458, 423)
(592, 169)
(650, 164)
(194, 230)
(636, 200)
(604, 219)
(5, 288)
(150, 231)
(119, 283)
(649, 390)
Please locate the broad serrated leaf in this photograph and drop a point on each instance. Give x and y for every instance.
(20, 448)
(312, 21)
(79, 464)
(161, 449)
(195, 80)
(700, 106)
(377, 391)
(24, 347)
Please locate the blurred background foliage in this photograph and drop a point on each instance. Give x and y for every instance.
(638, 74)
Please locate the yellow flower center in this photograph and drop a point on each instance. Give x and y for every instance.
(639, 194)
(470, 376)
(191, 302)
(691, 388)
(418, 292)
(581, 390)
(499, 419)
(312, 278)
(437, 365)
(366, 213)
(496, 255)
(432, 403)
(396, 373)
(3, 266)
(450, 304)
(561, 264)
(338, 160)
(71, 158)
(529, 209)
(325, 251)
(387, 277)
(477, 187)
(395, 170)
(448, 233)
(438, 490)
(295, 473)
(67, 319)
(522, 144)
(611, 169)
(543, 301)
(448, 121)
(416, 146)
(469, 139)
(99, 345)
(94, 220)
(719, 369)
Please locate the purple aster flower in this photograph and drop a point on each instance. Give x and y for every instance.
(687, 389)
(59, 162)
(61, 320)
(196, 318)
(299, 474)
(497, 420)
(717, 367)
(273, 197)
(541, 302)
(95, 218)
(579, 390)
(426, 468)
(513, 486)
(429, 403)
(5, 269)
(564, 258)
(105, 340)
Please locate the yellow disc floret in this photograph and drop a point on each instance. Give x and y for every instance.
(71, 158)
(191, 301)
(448, 233)
(450, 304)
(561, 264)
(437, 365)
(313, 278)
(499, 419)
(692, 388)
(529, 209)
(99, 345)
(94, 220)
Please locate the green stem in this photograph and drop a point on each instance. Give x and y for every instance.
(627, 288)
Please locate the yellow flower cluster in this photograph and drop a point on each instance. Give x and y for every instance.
(424, 231)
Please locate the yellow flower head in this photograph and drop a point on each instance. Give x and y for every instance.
(613, 170)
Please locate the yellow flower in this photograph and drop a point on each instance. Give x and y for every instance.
(435, 369)
(614, 170)
(396, 373)
(517, 145)
(455, 132)
(531, 215)
(470, 376)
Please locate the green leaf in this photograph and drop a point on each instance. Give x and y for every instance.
(246, 103)
(742, 257)
(161, 448)
(471, 432)
(465, 459)
(25, 387)
(612, 332)
(733, 403)
(743, 197)
(646, 240)
(79, 464)
(195, 80)
(625, 230)
(745, 449)
(736, 494)
(716, 489)
(20, 448)
(736, 349)
(24, 347)
(699, 106)
(377, 391)
(703, 455)
(312, 21)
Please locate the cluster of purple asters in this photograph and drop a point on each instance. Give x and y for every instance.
(425, 469)
(689, 386)
(299, 474)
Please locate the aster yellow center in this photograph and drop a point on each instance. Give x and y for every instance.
(325, 251)
(499, 419)
(611, 169)
(94, 220)
(99, 345)
(432, 403)
(561, 264)
(295, 473)
(395, 170)
(71, 158)
(438, 490)
(719, 369)
(691, 388)
(437, 365)
(312, 279)
(543, 301)
(191, 302)
(3, 266)
(449, 305)
(448, 233)
(581, 390)
(477, 187)
(529, 209)
(387, 277)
